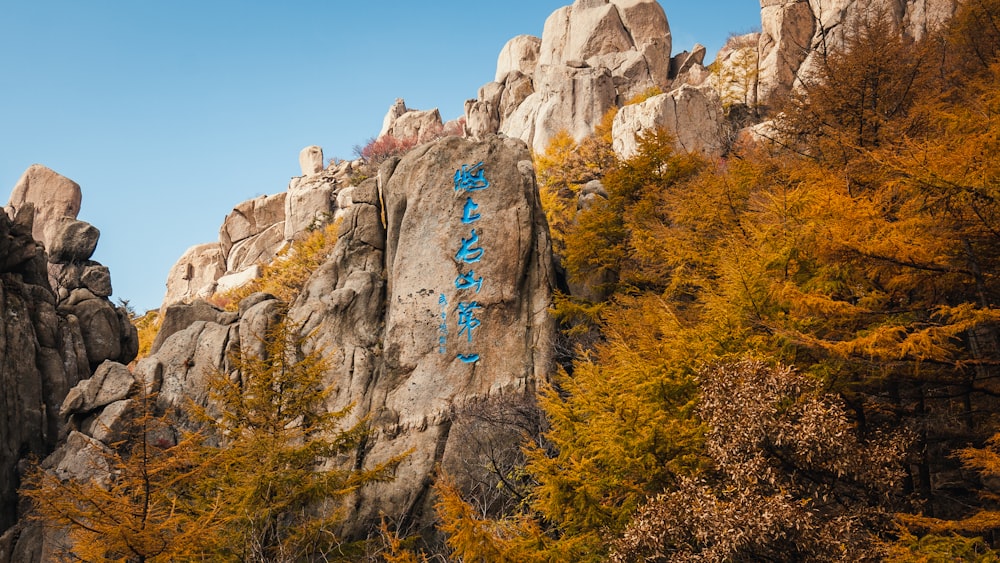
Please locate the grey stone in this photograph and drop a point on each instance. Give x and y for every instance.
(111, 382)
(52, 195)
(180, 316)
(101, 330)
(71, 240)
(97, 278)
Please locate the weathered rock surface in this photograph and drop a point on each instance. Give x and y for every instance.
(258, 229)
(71, 240)
(249, 219)
(53, 196)
(692, 114)
(56, 323)
(311, 160)
(195, 273)
(795, 33)
(397, 109)
(110, 383)
(520, 54)
(685, 61)
(179, 316)
(389, 355)
(592, 55)
(374, 307)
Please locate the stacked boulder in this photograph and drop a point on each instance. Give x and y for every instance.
(57, 327)
(82, 286)
(256, 230)
(595, 55)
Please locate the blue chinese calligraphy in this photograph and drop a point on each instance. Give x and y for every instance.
(471, 178)
(443, 327)
(469, 280)
(469, 253)
(468, 215)
(467, 321)
(467, 179)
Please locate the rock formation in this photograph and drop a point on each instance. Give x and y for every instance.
(435, 296)
(693, 114)
(53, 196)
(57, 325)
(256, 230)
(405, 123)
(443, 304)
(311, 160)
(598, 54)
(592, 56)
(795, 33)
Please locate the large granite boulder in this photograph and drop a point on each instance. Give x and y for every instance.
(251, 218)
(310, 202)
(795, 34)
(592, 55)
(444, 305)
(570, 99)
(311, 160)
(71, 240)
(193, 276)
(110, 383)
(463, 236)
(53, 196)
(693, 115)
(520, 54)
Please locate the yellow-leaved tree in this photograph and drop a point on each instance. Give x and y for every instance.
(266, 480)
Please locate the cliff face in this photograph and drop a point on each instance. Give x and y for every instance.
(434, 298)
(598, 54)
(57, 324)
(795, 34)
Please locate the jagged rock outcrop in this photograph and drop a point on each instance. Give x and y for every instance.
(194, 275)
(254, 232)
(56, 326)
(693, 114)
(592, 55)
(796, 33)
(405, 123)
(596, 54)
(443, 304)
(257, 230)
(53, 196)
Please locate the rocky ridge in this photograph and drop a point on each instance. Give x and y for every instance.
(256, 230)
(434, 297)
(375, 305)
(57, 328)
(598, 54)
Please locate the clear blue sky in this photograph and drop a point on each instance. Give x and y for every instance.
(170, 112)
